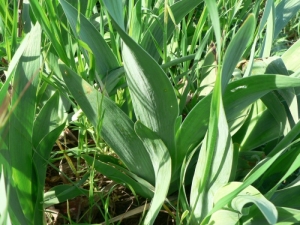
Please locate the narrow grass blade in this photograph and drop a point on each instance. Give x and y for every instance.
(154, 35)
(212, 8)
(41, 16)
(161, 161)
(268, 7)
(119, 176)
(236, 49)
(117, 128)
(269, 35)
(105, 60)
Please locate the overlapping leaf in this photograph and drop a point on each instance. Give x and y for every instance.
(117, 128)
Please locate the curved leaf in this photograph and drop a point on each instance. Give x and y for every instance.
(117, 128)
(161, 161)
(152, 94)
(238, 95)
(248, 195)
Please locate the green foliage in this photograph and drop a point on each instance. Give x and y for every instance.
(208, 117)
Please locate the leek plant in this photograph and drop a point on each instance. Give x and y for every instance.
(209, 116)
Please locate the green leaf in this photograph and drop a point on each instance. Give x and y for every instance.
(290, 56)
(285, 11)
(154, 35)
(260, 169)
(5, 217)
(117, 129)
(287, 197)
(105, 60)
(236, 49)
(62, 193)
(152, 94)
(213, 169)
(21, 123)
(238, 95)
(40, 161)
(161, 161)
(286, 216)
(115, 8)
(212, 8)
(47, 120)
(119, 176)
(285, 142)
(248, 195)
(50, 30)
(262, 129)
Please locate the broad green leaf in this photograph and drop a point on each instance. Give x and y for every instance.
(40, 161)
(27, 22)
(279, 172)
(261, 168)
(208, 72)
(47, 120)
(105, 60)
(21, 123)
(117, 128)
(238, 95)
(290, 56)
(262, 129)
(277, 66)
(161, 161)
(4, 103)
(46, 129)
(15, 209)
(248, 195)
(152, 94)
(286, 141)
(287, 197)
(213, 169)
(115, 9)
(276, 108)
(286, 216)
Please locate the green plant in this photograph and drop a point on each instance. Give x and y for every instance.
(224, 154)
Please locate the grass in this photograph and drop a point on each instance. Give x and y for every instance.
(149, 112)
